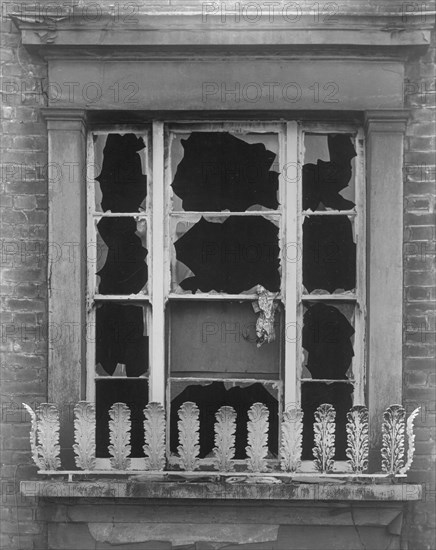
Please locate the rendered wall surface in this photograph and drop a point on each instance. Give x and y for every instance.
(28, 523)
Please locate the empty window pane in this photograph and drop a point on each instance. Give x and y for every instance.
(329, 254)
(328, 172)
(120, 167)
(232, 255)
(215, 171)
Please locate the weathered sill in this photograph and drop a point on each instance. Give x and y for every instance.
(332, 490)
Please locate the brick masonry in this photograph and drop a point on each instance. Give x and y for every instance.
(23, 372)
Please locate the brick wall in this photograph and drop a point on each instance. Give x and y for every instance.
(23, 374)
(419, 289)
(23, 284)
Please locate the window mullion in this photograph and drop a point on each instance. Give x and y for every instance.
(290, 257)
(157, 344)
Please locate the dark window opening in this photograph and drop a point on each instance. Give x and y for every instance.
(325, 183)
(121, 340)
(232, 256)
(220, 171)
(329, 254)
(123, 186)
(209, 398)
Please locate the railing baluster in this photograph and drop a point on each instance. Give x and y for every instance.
(84, 435)
(357, 439)
(324, 438)
(189, 426)
(291, 439)
(154, 436)
(393, 439)
(225, 428)
(119, 436)
(257, 448)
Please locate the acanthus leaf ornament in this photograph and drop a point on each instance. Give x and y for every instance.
(392, 451)
(257, 448)
(410, 440)
(47, 416)
(84, 435)
(33, 436)
(154, 436)
(357, 438)
(291, 440)
(189, 426)
(119, 436)
(324, 438)
(225, 428)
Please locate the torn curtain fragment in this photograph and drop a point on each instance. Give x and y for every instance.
(329, 253)
(222, 172)
(233, 256)
(323, 181)
(265, 307)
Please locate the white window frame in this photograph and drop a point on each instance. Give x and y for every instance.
(291, 146)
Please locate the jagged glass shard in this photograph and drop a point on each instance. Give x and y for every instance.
(210, 398)
(291, 439)
(324, 438)
(326, 183)
(257, 448)
(122, 252)
(329, 254)
(47, 416)
(410, 441)
(119, 436)
(220, 171)
(123, 186)
(134, 393)
(225, 428)
(188, 426)
(357, 439)
(84, 435)
(154, 436)
(233, 256)
(392, 451)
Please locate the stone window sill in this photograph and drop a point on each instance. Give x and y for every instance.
(315, 489)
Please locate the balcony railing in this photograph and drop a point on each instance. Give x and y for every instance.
(396, 453)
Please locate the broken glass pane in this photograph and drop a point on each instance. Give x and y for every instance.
(121, 255)
(216, 339)
(328, 340)
(329, 254)
(329, 172)
(232, 255)
(215, 171)
(134, 393)
(120, 165)
(122, 343)
(210, 397)
(314, 394)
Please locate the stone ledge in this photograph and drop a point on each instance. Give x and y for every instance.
(319, 491)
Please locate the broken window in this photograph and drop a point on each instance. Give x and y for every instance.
(203, 264)
(328, 172)
(210, 397)
(216, 171)
(329, 254)
(229, 255)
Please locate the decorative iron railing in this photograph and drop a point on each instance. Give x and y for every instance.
(396, 453)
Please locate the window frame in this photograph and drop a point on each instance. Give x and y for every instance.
(291, 149)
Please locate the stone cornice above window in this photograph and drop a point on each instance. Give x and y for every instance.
(217, 25)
